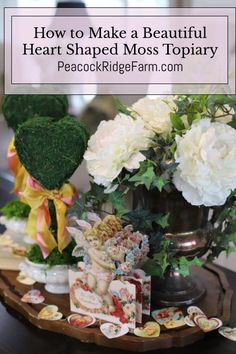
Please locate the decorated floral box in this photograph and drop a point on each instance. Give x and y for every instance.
(116, 305)
(143, 292)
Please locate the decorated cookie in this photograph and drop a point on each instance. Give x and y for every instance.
(81, 321)
(111, 330)
(19, 251)
(192, 312)
(175, 322)
(228, 332)
(50, 313)
(149, 330)
(24, 279)
(33, 297)
(207, 324)
(167, 314)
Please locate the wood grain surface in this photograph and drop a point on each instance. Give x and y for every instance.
(216, 303)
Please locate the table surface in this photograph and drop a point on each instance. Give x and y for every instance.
(17, 336)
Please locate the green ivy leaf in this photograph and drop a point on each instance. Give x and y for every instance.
(118, 203)
(121, 108)
(162, 259)
(171, 167)
(141, 219)
(159, 183)
(232, 213)
(162, 220)
(232, 238)
(184, 264)
(145, 175)
(84, 215)
(193, 117)
(153, 268)
(176, 121)
(97, 192)
(182, 103)
(229, 250)
(172, 148)
(233, 123)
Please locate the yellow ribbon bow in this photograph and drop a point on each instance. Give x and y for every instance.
(18, 170)
(39, 220)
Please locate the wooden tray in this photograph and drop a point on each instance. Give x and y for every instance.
(217, 302)
(9, 261)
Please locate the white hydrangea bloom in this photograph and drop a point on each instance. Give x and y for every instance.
(220, 115)
(206, 154)
(156, 113)
(116, 145)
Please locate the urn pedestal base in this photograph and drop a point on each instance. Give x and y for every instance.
(176, 290)
(190, 234)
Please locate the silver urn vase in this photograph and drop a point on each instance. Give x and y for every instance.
(190, 233)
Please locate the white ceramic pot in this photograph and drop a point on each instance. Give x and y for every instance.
(55, 278)
(35, 271)
(57, 281)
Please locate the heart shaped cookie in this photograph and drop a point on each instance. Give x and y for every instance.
(111, 330)
(227, 332)
(207, 324)
(51, 151)
(175, 322)
(33, 297)
(19, 108)
(50, 313)
(192, 312)
(166, 314)
(81, 321)
(24, 279)
(149, 330)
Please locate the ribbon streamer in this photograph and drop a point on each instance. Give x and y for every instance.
(39, 220)
(18, 170)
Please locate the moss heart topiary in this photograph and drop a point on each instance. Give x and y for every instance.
(51, 150)
(19, 108)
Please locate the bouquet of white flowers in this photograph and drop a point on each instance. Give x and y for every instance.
(184, 144)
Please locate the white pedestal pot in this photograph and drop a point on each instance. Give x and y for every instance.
(55, 278)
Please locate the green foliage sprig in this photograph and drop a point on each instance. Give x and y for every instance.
(95, 198)
(55, 258)
(15, 209)
(196, 107)
(224, 239)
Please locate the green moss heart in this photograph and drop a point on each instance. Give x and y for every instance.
(51, 150)
(19, 108)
